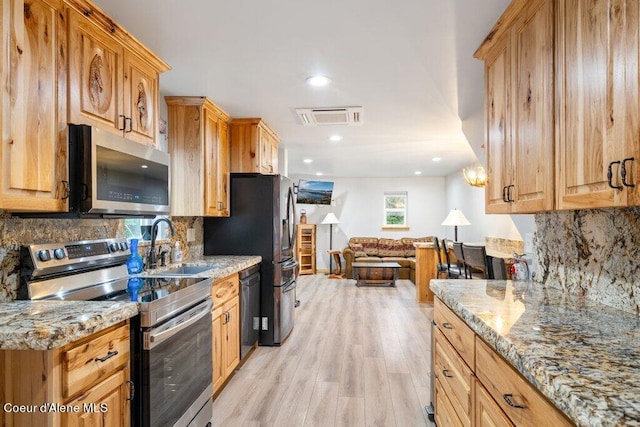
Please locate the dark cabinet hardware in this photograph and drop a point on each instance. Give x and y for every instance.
(509, 399)
(447, 325)
(623, 172)
(504, 194)
(130, 120)
(132, 390)
(124, 122)
(610, 175)
(446, 373)
(109, 355)
(509, 187)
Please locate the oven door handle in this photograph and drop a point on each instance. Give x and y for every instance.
(188, 319)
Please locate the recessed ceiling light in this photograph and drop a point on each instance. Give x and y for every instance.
(436, 159)
(418, 173)
(318, 173)
(318, 81)
(335, 138)
(144, 166)
(307, 160)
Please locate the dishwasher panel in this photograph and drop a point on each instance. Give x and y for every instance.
(249, 309)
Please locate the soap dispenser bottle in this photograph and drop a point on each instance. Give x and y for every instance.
(135, 264)
(177, 253)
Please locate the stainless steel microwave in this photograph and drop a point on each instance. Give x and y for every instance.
(109, 175)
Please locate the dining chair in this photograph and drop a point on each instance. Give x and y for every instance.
(476, 258)
(442, 267)
(453, 271)
(462, 266)
(498, 269)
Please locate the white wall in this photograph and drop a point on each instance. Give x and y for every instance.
(358, 204)
(470, 200)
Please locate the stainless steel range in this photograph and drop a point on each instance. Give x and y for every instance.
(171, 339)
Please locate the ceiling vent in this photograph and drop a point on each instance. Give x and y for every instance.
(330, 116)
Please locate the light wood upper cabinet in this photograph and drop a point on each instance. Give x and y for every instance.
(113, 79)
(95, 75)
(598, 88)
(140, 91)
(519, 61)
(199, 148)
(33, 126)
(254, 147)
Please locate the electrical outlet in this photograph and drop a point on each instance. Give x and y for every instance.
(191, 234)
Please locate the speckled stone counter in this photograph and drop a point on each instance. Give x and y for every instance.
(584, 356)
(44, 325)
(221, 265)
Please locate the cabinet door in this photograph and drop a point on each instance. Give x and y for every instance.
(488, 413)
(264, 146)
(222, 178)
(95, 76)
(218, 355)
(499, 156)
(598, 83)
(533, 121)
(105, 405)
(33, 121)
(232, 335)
(211, 144)
(140, 99)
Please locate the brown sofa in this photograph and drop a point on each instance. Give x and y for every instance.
(373, 249)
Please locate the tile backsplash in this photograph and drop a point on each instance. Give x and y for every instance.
(15, 232)
(591, 252)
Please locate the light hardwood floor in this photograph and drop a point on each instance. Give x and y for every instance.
(356, 357)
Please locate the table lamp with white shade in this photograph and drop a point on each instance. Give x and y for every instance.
(456, 218)
(330, 219)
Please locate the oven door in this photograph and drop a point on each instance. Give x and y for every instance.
(177, 368)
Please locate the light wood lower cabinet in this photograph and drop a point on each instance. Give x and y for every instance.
(89, 377)
(481, 390)
(226, 330)
(488, 413)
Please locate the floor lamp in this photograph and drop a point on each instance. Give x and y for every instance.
(330, 219)
(456, 218)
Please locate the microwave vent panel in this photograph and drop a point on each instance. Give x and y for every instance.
(345, 116)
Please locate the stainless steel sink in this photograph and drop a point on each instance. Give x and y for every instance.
(182, 271)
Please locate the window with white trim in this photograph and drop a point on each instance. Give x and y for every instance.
(395, 209)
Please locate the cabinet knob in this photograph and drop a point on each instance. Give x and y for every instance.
(447, 325)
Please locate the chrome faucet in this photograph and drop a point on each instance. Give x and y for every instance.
(152, 261)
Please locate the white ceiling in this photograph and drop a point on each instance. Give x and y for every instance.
(408, 63)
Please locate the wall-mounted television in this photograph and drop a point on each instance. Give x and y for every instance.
(314, 192)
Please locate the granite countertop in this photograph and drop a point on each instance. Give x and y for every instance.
(583, 356)
(221, 265)
(45, 325)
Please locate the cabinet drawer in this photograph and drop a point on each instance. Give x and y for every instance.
(456, 331)
(445, 414)
(455, 377)
(225, 289)
(522, 403)
(94, 359)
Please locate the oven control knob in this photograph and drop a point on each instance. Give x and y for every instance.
(58, 253)
(114, 247)
(44, 255)
(123, 246)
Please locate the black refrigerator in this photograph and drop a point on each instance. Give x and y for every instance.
(261, 222)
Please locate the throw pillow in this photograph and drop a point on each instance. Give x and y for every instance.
(358, 250)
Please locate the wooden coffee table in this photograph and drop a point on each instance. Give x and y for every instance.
(375, 273)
